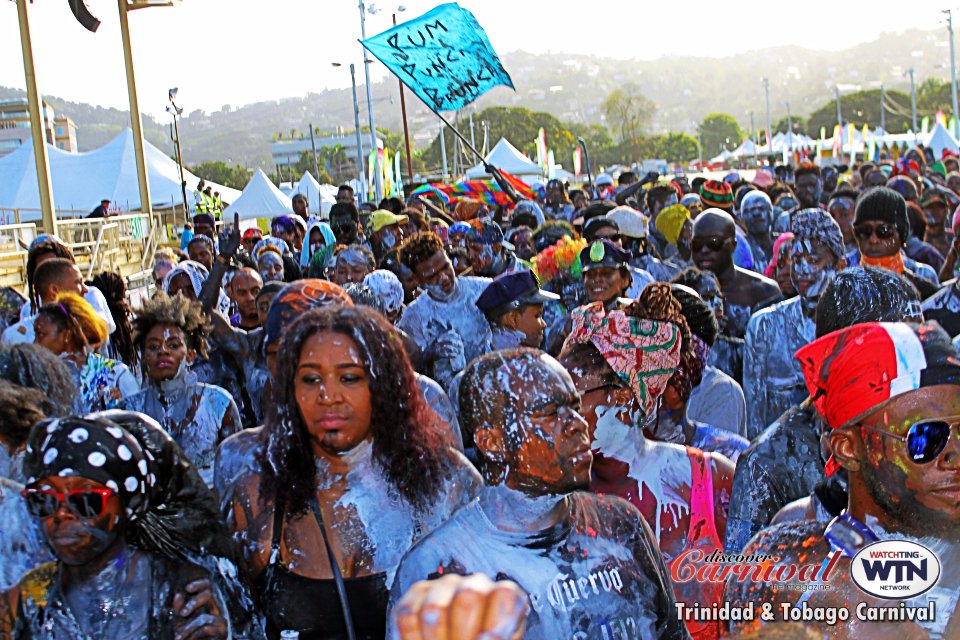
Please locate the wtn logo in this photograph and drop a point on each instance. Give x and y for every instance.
(895, 569)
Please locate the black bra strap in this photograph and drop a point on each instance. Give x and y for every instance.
(337, 576)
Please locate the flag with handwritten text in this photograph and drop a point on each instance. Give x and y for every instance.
(444, 56)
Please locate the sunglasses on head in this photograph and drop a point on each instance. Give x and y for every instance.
(86, 503)
(714, 243)
(883, 231)
(925, 440)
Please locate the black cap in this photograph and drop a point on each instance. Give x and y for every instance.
(885, 205)
(594, 225)
(603, 253)
(509, 291)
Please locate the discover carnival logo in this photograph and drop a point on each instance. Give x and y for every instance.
(895, 569)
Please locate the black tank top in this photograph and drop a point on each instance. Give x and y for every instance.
(312, 607)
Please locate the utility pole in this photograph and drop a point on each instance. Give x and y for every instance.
(373, 127)
(361, 172)
(913, 102)
(753, 136)
(313, 146)
(699, 148)
(406, 128)
(135, 121)
(953, 63)
(443, 154)
(176, 112)
(766, 90)
(883, 110)
(36, 123)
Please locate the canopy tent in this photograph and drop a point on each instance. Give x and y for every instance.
(941, 139)
(507, 157)
(723, 157)
(318, 196)
(82, 180)
(747, 149)
(260, 199)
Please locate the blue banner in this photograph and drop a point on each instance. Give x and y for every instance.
(444, 56)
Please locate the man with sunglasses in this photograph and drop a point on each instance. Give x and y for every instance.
(890, 393)
(881, 228)
(713, 244)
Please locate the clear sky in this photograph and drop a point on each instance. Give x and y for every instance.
(240, 51)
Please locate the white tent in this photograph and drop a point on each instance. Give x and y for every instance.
(723, 157)
(82, 180)
(507, 157)
(260, 199)
(319, 199)
(941, 139)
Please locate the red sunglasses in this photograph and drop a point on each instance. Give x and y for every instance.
(86, 503)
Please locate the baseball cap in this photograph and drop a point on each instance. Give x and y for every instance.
(509, 291)
(382, 218)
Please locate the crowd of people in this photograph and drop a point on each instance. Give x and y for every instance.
(442, 419)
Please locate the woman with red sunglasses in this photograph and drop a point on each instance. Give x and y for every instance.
(890, 395)
(136, 536)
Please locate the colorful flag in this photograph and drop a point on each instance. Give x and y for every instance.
(444, 56)
(486, 190)
(925, 125)
(577, 162)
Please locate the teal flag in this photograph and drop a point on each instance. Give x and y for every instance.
(444, 56)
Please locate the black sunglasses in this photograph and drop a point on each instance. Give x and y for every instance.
(925, 440)
(883, 231)
(714, 243)
(86, 503)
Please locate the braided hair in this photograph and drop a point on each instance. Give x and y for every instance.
(112, 287)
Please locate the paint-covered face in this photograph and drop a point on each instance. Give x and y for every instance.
(934, 213)
(200, 252)
(843, 211)
(333, 393)
(437, 272)
(77, 540)
(808, 188)
(351, 266)
(182, 284)
(599, 393)
(605, 284)
(164, 352)
(813, 267)
(522, 241)
(244, 289)
(907, 491)
(270, 266)
(160, 271)
(709, 289)
(757, 215)
(553, 456)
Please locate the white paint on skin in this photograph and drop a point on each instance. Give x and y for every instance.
(650, 466)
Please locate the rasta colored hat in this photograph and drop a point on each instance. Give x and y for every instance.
(715, 193)
(603, 253)
(857, 370)
(643, 353)
(297, 298)
(508, 291)
(884, 205)
(670, 222)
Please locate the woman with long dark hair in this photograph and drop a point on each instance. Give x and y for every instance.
(355, 468)
(121, 341)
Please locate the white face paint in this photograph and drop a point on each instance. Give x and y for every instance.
(659, 467)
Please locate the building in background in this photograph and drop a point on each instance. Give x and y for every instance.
(60, 131)
(286, 153)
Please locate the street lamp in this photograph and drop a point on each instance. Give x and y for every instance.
(356, 124)
(176, 112)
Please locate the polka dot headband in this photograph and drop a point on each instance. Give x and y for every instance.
(95, 449)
